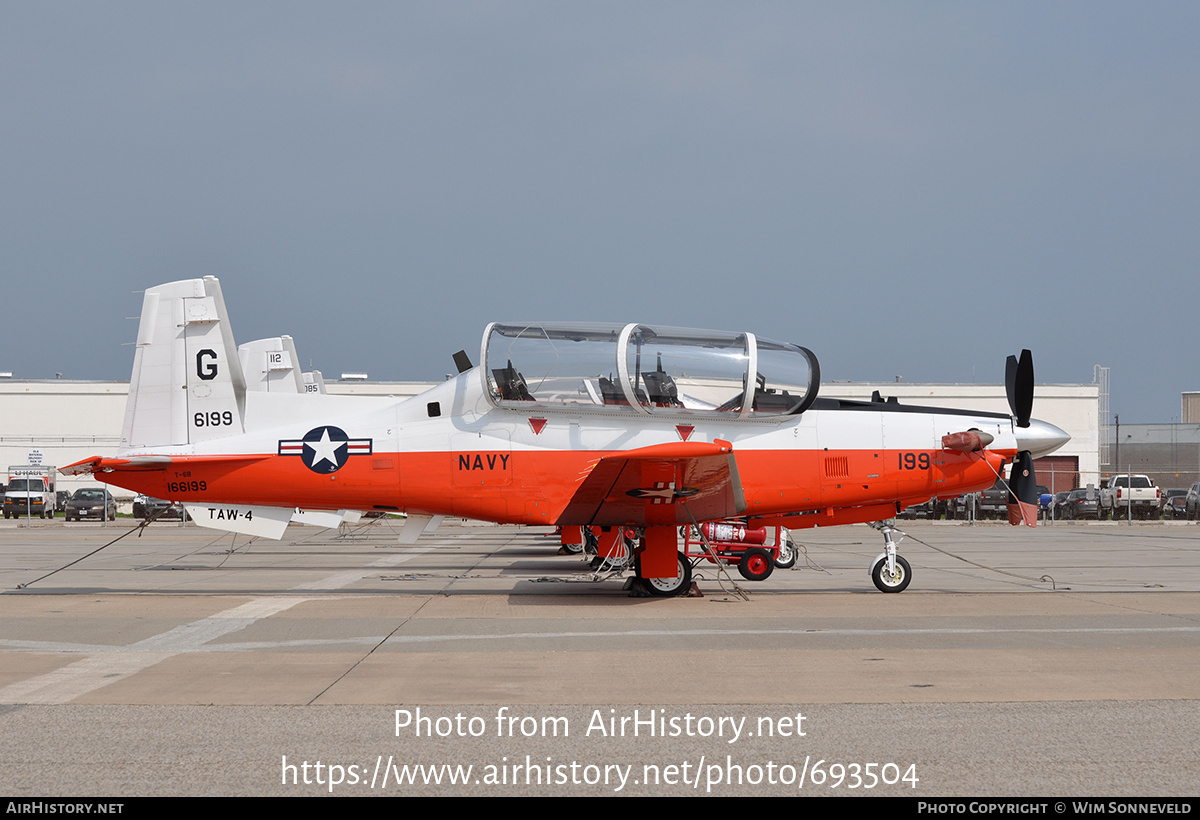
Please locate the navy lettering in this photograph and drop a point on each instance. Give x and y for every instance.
(467, 462)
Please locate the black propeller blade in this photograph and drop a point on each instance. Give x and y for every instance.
(1022, 491)
(1018, 382)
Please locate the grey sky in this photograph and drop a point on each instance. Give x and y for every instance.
(913, 189)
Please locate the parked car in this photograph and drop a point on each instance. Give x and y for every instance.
(1045, 499)
(1056, 506)
(1174, 504)
(1078, 505)
(1191, 502)
(93, 503)
(932, 509)
(145, 506)
(961, 508)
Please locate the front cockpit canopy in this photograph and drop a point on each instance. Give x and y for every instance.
(646, 370)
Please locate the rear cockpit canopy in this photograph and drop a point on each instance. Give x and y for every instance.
(639, 369)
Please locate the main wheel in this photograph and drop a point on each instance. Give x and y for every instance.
(892, 583)
(756, 564)
(668, 587)
(787, 555)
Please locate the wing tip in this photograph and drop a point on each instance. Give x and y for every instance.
(85, 467)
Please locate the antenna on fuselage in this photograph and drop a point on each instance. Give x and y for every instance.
(462, 361)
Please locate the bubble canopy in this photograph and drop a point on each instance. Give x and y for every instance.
(644, 369)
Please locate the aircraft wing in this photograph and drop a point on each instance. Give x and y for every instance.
(662, 484)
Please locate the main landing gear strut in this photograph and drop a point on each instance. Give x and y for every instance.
(889, 571)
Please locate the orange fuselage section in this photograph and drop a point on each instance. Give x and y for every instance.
(536, 486)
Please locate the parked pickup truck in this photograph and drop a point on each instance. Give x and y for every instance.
(993, 502)
(1130, 496)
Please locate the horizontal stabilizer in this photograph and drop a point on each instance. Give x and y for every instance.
(99, 464)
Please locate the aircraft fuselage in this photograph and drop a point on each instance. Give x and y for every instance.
(502, 465)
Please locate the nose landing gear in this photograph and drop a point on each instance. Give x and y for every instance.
(889, 571)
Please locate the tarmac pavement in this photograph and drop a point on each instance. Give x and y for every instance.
(1057, 661)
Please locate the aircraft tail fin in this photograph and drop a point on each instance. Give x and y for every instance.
(187, 384)
(314, 382)
(271, 365)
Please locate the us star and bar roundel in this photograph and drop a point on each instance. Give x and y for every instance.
(325, 449)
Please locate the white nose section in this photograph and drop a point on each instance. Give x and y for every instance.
(1040, 438)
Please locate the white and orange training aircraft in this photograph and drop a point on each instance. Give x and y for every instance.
(569, 425)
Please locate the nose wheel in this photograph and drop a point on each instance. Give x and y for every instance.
(889, 571)
(787, 554)
(895, 580)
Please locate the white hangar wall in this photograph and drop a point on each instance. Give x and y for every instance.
(66, 420)
(72, 420)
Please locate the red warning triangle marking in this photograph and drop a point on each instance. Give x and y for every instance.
(537, 425)
(685, 430)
